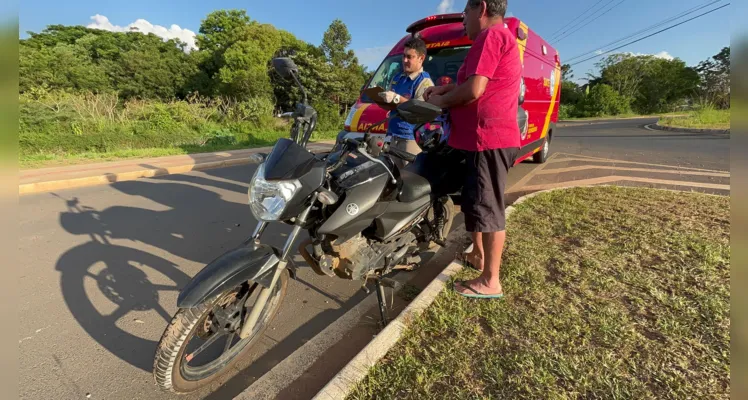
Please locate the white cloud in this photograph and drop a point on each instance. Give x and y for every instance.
(371, 57)
(598, 52)
(445, 6)
(174, 32)
(663, 54)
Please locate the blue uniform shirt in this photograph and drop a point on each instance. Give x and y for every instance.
(408, 87)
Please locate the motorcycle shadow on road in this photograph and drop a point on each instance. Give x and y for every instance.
(121, 285)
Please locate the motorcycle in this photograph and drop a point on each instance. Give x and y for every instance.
(365, 219)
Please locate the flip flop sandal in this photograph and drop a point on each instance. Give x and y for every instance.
(476, 294)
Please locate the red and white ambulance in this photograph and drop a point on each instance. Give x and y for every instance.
(447, 46)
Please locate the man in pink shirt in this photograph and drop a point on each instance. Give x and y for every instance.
(483, 108)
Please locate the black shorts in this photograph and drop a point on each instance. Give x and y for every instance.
(483, 200)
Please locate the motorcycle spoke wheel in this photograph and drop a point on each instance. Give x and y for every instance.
(202, 344)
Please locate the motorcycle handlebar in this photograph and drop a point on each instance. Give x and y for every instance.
(404, 155)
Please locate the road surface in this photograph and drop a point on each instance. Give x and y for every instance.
(101, 266)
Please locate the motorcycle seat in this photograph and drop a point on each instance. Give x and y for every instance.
(414, 186)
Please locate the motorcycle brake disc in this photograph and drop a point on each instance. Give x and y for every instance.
(205, 324)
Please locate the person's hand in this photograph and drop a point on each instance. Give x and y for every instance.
(433, 91)
(388, 96)
(437, 100)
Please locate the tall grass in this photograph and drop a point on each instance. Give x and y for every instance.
(58, 125)
(702, 118)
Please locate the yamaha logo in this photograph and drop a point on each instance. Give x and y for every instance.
(352, 208)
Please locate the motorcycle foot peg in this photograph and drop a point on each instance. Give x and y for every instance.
(390, 283)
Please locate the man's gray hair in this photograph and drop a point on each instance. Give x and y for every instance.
(494, 8)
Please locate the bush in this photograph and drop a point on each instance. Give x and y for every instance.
(328, 116)
(566, 111)
(604, 100)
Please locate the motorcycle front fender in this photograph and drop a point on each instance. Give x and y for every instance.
(253, 262)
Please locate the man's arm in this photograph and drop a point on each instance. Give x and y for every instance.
(466, 93)
(421, 89)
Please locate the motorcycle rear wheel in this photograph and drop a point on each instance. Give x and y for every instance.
(171, 365)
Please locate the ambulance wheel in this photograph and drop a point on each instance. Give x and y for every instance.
(541, 156)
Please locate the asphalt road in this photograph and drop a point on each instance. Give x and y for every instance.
(101, 266)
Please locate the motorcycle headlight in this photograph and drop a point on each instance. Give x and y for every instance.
(268, 199)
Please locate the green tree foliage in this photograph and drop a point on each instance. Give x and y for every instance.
(714, 87)
(80, 59)
(85, 89)
(643, 84)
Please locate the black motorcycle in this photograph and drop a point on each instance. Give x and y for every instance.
(365, 219)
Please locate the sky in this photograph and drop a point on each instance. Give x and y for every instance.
(376, 26)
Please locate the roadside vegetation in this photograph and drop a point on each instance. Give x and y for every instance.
(93, 94)
(631, 85)
(707, 118)
(610, 293)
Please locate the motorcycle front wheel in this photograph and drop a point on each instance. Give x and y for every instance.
(202, 344)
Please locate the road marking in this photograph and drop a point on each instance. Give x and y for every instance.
(578, 157)
(659, 171)
(531, 174)
(610, 179)
(647, 127)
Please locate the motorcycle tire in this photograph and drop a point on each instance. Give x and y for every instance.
(171, 368)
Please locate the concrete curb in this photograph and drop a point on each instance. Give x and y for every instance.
(148, 172)
(38, 187)
(657, 126)
(343, 383)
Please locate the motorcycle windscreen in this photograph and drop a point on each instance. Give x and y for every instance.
(289, 161)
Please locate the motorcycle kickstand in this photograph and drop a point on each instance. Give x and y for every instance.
(382, 302)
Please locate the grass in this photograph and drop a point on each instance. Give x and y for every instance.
(702, 119)
(610, 293)
(622, 116)
(47, 159)
(59, 128)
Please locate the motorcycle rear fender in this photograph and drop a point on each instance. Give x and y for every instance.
(253, 262)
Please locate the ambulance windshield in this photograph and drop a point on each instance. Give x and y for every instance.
(439, 63)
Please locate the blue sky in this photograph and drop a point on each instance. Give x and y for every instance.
(376, 25)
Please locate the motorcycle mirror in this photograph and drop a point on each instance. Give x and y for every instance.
(285, 67)
(418, 112)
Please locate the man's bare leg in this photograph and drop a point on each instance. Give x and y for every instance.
(488, 282)
(477, 255)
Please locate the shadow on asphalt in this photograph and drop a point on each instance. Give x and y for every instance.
(188, 221)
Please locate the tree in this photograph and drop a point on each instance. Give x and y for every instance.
(566, 73)
(714, 87)
(349, 73)
(335, 41)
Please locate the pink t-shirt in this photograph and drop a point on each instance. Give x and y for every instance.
(491, 121)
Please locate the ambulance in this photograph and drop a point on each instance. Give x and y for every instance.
(447, 45)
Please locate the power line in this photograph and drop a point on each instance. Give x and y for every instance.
(593, 20)
(583, 20)
(649, 28)
(572, 21)
(653, 34)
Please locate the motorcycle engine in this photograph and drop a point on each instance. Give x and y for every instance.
(356, 257)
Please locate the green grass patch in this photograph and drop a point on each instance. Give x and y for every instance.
(610, 293)
(626, 115)
(701, 119)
